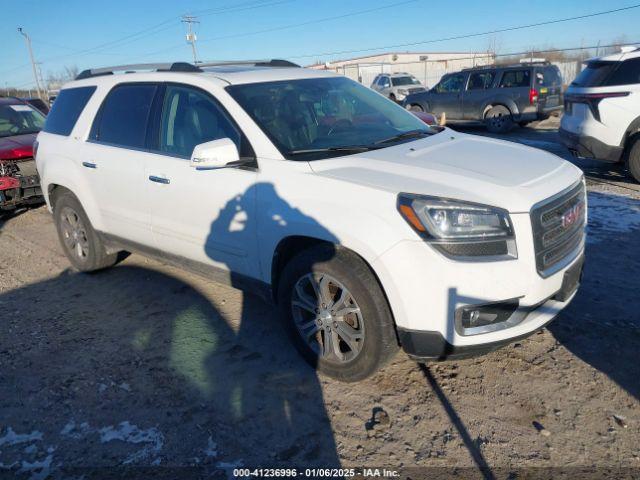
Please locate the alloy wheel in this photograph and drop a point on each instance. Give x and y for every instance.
(74, 233)
(328, 318)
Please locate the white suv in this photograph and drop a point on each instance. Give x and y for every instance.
(602, 110)
(368, 228)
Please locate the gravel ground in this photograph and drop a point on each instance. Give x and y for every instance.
(145, 365)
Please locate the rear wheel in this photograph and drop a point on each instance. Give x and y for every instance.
(80, 242)
(498, 119)
(633, 158)
(336, 313)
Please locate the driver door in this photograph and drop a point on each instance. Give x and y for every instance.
(446, 96)
(204, 215)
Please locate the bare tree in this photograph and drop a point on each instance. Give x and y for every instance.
(55, 80)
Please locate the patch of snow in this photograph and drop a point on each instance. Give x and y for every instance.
(30, 449)
(212, 448)
(77, 432)
(611, 215)
(39, 470)
(126, 432)
(230, 465)
(13, 438)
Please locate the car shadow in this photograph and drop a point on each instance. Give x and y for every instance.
(132, 367)
(601, 326)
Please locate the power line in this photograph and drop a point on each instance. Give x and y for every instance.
(470, 35)
(155, 29)
(310, 22)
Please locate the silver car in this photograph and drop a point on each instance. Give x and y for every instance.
(397, 86)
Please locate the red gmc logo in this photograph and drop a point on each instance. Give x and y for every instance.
(572, 215)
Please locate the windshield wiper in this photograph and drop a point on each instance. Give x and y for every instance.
(348, 148)
(401, 136)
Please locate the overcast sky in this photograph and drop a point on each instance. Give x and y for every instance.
(86, 34)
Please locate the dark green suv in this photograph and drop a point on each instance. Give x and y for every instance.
(499, 96)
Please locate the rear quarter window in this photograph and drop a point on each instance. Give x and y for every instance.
(66, 110)
(594, 74)
(627, 73)
(515, 78)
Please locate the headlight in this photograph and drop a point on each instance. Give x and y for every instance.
(460, 229)
(402, 91)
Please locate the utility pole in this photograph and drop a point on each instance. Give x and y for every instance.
(33, 62)
(190, 20)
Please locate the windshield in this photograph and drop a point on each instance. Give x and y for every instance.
(594, 74)
(401, 81)
(19, 119)
(326, 117)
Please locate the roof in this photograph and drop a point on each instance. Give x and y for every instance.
(625, 54)
(229, 72)
(11, 101)
(246, 74)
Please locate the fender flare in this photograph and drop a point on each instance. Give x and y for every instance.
(633, 128)
(503, 101)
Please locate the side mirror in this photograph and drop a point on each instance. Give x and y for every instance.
(214, 154)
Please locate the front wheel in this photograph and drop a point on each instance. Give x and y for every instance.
(416, 108)
(336, 313)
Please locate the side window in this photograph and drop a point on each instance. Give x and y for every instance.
(66, 110)
(451, 84)
(385, 82)
(626, 74)
(124, 115)
(515, 78)
(481, 80)
(191, 117)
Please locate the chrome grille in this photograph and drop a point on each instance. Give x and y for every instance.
(558, 229)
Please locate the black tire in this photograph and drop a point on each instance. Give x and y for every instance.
(498, 119)
(379, 342)
(524, 124)
(416, 108)
(633, 158)
(392, 97)
(94, 255)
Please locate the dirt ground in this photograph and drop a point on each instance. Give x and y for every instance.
(145, 365)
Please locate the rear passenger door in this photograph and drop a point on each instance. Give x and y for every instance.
(516, 84)
(476, 94)
(114, 161)
(207, 216)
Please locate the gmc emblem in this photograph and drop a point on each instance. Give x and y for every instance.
(572, 215)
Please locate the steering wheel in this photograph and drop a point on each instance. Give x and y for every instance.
(341, 124)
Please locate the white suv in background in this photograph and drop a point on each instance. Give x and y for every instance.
(397, 86)
(368, 228)
(602, 110)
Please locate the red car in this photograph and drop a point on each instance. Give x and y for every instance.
(19, 181)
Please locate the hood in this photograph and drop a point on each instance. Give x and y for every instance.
(18, 146)
(458, 166)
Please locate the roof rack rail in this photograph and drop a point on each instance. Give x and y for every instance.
(158, 67)
(256, 63)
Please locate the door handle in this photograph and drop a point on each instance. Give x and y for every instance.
(163, 180)
(89, 165)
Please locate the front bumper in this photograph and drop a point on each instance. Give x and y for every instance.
(426, 291)
(425, 345)
(588, 147)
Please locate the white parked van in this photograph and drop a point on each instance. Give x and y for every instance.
(368, 228)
